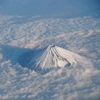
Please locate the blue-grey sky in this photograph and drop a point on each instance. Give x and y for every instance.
(60, 8)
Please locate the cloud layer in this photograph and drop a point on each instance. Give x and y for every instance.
(20, 34)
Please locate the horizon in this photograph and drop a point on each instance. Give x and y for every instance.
(51, 8)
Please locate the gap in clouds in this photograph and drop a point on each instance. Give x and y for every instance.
(12, 53)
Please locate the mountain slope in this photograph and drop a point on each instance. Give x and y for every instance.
(55, 56)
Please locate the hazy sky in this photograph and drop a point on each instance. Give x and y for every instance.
(64, 8)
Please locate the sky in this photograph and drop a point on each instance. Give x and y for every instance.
(50, 8)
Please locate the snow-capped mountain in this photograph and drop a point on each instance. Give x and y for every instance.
(53, 57)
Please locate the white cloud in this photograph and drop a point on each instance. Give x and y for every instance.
(77, 83)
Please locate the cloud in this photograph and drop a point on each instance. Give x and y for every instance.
(81, 82)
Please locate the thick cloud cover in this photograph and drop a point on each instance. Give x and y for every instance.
(20, 34)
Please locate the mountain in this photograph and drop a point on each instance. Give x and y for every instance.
(53, 57)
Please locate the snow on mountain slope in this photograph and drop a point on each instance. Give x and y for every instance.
(53, 57)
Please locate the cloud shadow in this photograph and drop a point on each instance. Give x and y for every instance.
(22, 56)
(13, 53)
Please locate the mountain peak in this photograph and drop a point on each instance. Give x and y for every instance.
(51, 57)
(51, 47)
